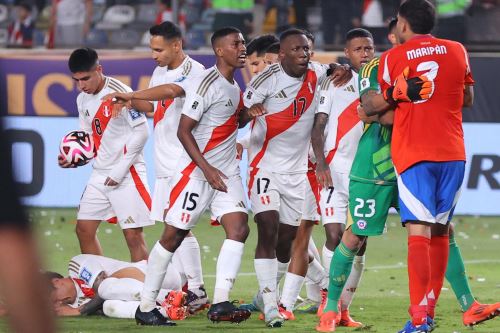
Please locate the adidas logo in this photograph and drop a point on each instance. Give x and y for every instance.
(229, 103)
(350, 88)
(241, 204)
(281, 94)
(87, 113)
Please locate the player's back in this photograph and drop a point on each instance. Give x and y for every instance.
(109, 134)
(430, 130)
(280, 140)
(214, 103)
(167, 114)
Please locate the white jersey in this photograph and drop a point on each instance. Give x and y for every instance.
(83, 269)
(344, 128)
(167, 114)
(280, 139)
(214, 103)
(110, 134)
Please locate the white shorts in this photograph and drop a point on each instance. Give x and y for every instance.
(190, 197)
(310, 207)
(334, 201)
(160, 198)
(280, 192)
(128, 201)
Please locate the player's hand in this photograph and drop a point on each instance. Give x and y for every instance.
(409, 89)
(63, 163)
(323, 175)
(215, 178)
(256, 110)
(239, 150)
(340, 74)
(119, 97)
(110, 182)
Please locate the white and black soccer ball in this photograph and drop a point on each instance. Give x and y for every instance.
(77, 147)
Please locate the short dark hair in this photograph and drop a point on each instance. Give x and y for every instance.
(82, 60)
(291, 32)
(167, 30)
(357, 33)
(260, 44)
(273, 48)
(223, 32)
(26, 6)
(420, 14)
(310, 36)
(392, 24)
(47, 278)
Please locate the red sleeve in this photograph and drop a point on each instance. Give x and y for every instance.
(468, 72)
(383, 72)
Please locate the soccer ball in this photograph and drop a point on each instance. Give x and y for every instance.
(77, 147)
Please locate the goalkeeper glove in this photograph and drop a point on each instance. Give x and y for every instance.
(409, 89)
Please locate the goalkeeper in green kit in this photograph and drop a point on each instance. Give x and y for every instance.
(372, 192)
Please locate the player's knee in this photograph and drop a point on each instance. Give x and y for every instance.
(84, 232)
(239, 233)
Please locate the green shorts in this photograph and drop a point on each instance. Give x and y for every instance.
(369, 206)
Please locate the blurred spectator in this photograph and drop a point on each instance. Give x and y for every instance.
(165, 13)
(451, 19)
(71, 21)
(301, 7)
(21, 30)
(236, 13)
(375, 15)
(338, 17)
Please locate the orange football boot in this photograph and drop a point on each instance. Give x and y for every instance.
(478, 313)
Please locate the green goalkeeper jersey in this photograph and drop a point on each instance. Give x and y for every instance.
(373, 163)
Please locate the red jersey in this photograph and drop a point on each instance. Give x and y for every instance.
(430, 130)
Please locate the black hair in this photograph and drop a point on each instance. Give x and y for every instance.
(273, 48)
(392, 24)
(26, 6)
(420, 14)
(357, 33)
(47, 278)
(223, 32)
(260, 44)
(167, 30)
(291, 32)
(309, 36)
(82, 60)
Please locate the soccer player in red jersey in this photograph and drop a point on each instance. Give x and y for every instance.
(427, 146)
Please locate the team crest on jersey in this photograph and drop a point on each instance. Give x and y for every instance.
(134, 114)
(195, 105)
(182, 78)
(365, 83)
(86, 276)
(106, 111)
(361, 224)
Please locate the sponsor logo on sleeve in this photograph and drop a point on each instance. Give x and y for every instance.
(365, 83)
(249, 95)
(182, 78)
(134, 114)
(195, 105)
(86, 276)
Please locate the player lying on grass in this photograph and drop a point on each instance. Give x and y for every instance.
(99, 283)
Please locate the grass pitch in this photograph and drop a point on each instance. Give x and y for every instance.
(381, 301)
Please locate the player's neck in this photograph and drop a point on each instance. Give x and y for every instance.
(289, 72)
(101, 85)
(226, 71)
(177, 61)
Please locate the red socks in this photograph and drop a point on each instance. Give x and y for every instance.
(439, 259)
(419, 275)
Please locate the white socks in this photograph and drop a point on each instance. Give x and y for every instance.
(189, 255)
(291, 290)
(228, 266)
(352, 282)
(267, 271)
(313, 250)
(158, 261)
(316, 273)
(327, 259)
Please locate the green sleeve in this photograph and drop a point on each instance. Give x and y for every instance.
(367, 78)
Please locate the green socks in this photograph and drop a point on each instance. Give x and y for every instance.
(455, 274)
(340, 268)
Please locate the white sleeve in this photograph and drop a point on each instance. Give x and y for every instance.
(258, 89)
(245, 140)
(195, 104)
(84, 268)
(133, 117)
(85, 125)
(134, 147)
(325, 96)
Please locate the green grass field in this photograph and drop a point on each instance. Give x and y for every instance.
(381, 301)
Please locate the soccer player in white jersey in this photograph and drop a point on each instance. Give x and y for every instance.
(207, 175)
(281, 101)
(334, 151)
(173, 66)
(117, 186)
(96, 281)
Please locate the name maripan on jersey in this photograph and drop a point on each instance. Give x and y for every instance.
(426, 51)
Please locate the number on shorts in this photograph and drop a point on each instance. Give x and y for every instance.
(265, 186)
(97, 125)
(330, 193)
(370, 203)
(192, 201)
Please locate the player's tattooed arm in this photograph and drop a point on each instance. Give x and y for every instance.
(92, 306)
(468, 96)
(213, 175)
(318, 143)
(248, 114)
(98, 280)
(340, 74)
(374, 103)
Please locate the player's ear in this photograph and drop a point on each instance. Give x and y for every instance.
(219, 51)
(346, 52)
(98, 68)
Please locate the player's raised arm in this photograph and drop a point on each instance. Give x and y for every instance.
(158, 93)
